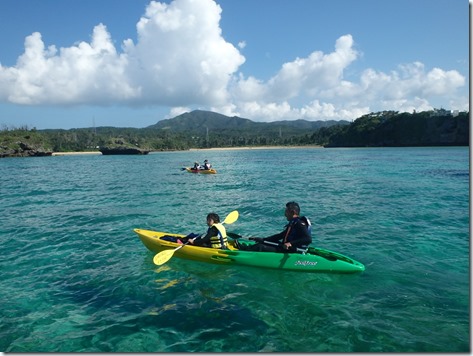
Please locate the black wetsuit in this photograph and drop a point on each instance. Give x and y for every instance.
(296, 232)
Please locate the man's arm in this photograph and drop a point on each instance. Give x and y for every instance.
(277, 237)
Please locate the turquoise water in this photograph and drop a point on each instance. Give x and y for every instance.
(75, 277)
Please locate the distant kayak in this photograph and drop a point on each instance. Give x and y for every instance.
(314, 260)
(202, 171)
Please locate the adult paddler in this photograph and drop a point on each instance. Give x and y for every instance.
(296, 234)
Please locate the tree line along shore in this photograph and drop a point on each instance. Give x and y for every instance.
(205, 130)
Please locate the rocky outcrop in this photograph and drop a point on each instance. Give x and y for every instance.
(123, 150)
(119, 146)
(22, 149)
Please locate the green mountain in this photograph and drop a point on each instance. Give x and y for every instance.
(199, 121)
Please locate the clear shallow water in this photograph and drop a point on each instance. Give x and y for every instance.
(75, 277)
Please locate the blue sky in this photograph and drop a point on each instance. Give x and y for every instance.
(131, 63)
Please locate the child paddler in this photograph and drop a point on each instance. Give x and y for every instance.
(216, 236)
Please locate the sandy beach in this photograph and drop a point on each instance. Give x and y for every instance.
(76, 153)
(253, 148)
(199, 149)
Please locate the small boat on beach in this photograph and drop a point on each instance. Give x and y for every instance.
(313, 260)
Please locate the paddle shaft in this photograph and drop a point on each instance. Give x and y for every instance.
(236, 236)
(277, 244)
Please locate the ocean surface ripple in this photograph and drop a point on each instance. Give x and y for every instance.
(75, 277)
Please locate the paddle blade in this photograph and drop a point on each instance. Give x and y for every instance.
(162, 257)
(231, 218)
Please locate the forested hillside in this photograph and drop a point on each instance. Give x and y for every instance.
(393, 129)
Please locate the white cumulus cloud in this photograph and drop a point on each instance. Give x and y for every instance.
(180, 58)
(86, 73)
(314, 88)
(182, 61)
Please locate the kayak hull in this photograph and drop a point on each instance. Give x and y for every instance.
(201, 171)
(316, 260)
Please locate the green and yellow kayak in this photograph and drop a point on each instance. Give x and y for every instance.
(314, 260)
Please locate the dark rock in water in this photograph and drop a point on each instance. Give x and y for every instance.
(123, 150)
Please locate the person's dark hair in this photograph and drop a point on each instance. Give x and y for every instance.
(214, 217)
(294, 207)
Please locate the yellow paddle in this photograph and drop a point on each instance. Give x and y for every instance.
(164, 256)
